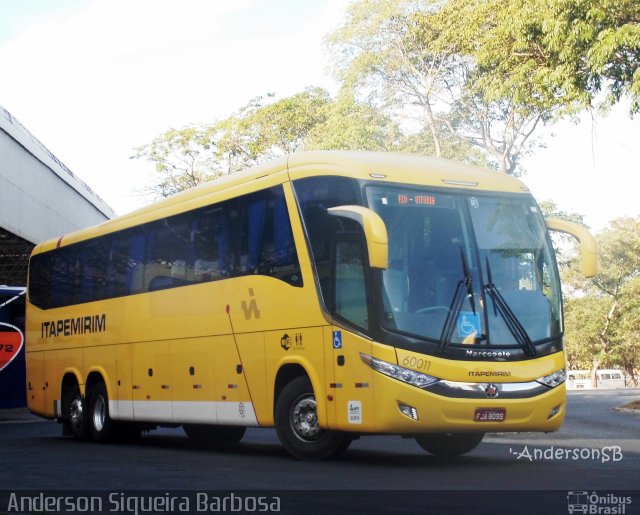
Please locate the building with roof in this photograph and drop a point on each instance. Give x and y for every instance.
(40, 199)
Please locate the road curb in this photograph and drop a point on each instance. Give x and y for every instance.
(16, 415)
(628, 410)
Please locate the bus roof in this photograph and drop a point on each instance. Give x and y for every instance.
(381, 166)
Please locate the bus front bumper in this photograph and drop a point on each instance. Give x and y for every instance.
(467, 407)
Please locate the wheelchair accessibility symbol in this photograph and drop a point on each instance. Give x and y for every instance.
(468, 324)
(337, 339)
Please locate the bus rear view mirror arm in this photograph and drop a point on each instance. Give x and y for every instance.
(375, 232)
(588, 244)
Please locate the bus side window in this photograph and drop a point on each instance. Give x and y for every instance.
(64, 277)
(93, 260)
(279, 258)
(350, 296)
(135, 265)
(315, 195)
(209, 249)
(41, 280)
(166, 250)
(117, 272)
(266, 245)
(253, 209)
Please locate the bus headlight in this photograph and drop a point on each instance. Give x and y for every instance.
(555, 379)
(400, 373)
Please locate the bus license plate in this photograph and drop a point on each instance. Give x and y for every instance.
(490, 414)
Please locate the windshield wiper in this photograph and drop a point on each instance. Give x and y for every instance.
(468, 281)
(457, 302)
(501, 306)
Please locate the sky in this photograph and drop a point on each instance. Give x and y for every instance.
(94, 79)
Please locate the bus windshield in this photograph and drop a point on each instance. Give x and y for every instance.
(467, 269)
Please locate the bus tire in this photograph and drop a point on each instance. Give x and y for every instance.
(101, 426)
(297, 424)
(75, 414)
(214, 436)
(449, 444)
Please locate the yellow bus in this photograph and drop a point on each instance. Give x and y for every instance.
(327, 294)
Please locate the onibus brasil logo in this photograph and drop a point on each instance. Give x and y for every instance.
(594, 502)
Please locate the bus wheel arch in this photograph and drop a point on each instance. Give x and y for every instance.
(297, 425)
(74, 408)
(285, 375)
(101, 428)
(100, 425)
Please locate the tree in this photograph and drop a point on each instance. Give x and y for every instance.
(555, 56)
(488, 72)
(627, 331)
(381, 53)
(350, 125)
(583, 317)
(407, 56)
(609, 302)
(263, 129)
(183, 158)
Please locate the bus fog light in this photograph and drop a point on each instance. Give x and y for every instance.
(409, 411)
(554, 412)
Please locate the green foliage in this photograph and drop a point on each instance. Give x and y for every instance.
(452, 148)
(350, 125)
(619, 247)
(470, 80)
(603, 326)
(626, 352)
(402, 54)
(554, 56)
(264, 129)
(488, 72)
(182, 158)
(583, 321)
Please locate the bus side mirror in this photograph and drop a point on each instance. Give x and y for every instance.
(375, 232)
(588, 244)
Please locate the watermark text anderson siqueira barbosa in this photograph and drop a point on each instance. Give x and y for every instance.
(137, 504)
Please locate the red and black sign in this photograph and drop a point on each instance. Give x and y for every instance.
(11, 341)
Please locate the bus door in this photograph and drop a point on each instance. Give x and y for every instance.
(352, 380)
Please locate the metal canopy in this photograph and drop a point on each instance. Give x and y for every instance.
(40, 198)
(14, 258)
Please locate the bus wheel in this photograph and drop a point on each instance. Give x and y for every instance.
(214, 435)
(449, 444)
(75, 414)
(297, 425)
(101, 426)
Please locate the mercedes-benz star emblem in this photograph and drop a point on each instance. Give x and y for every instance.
(492, 391)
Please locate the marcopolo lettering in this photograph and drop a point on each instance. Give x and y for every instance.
(72, 326)
(487, 354)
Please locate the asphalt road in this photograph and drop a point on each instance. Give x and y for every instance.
(597, 450)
